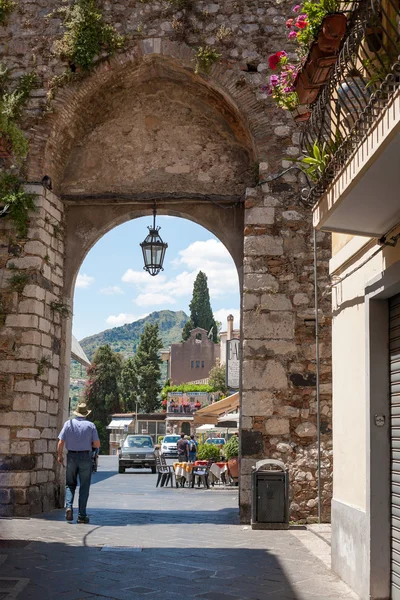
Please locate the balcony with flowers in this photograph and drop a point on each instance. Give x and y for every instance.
(340, 79)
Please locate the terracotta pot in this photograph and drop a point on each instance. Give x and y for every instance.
(233, 467)
(334, 26)
(314, 74)
(301, 113)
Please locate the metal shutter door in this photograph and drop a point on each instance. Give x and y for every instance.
(394, 353)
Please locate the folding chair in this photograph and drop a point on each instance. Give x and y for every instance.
(165, 473)
(202, 474)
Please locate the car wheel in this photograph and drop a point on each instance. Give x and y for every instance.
(153, 470)
(121, 469)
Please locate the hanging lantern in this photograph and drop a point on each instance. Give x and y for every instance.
(153, 249)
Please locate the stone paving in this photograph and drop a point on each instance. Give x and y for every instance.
(145, 543)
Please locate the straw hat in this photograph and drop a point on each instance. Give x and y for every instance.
(82, 410)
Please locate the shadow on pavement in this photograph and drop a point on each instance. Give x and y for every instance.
(60, 571)
(117, 517)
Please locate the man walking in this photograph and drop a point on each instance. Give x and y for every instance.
(183, 449)
(79, 437)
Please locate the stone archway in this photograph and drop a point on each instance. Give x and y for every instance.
(93, 148)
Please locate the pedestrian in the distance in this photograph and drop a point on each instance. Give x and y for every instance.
(192, 449)
(183, 449)
(79, 438)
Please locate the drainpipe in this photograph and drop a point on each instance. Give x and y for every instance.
(317, 376)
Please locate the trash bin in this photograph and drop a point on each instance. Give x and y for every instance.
(270, 496)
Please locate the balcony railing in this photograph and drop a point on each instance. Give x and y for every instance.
(365, 77)
(182, 410)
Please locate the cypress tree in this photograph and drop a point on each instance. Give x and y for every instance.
(102, 387)
(201, 314)
(128, 386)
(147, 362)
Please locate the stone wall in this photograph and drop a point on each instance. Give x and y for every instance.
(30, 344)
(279, 373)
(233, 130)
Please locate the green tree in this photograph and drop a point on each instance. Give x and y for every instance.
(201, 314)
(217, 379)
(102, 387)
(147, 364)
(128, 385)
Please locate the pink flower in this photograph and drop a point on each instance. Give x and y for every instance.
(297, 8)
(274, 59)
(292, 35)
(274, 80)
(302, 17)
(289, 23)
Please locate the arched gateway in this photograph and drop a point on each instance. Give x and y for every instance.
(143, 128)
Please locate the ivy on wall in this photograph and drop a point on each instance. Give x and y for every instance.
(12, 103)
(86, 35)
(16, 202)
(6, 8)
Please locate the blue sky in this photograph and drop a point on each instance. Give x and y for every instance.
(113, 289)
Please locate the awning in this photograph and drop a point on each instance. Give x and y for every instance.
(229, 417)
(78, 353)
(187, 418)
(119, 423)
(210, 414)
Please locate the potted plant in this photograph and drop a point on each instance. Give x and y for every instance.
(208, 452)
(318, 28)
(232, 454)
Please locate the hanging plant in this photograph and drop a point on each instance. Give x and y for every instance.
(317, 28)
(281, 85)
(86, 35)
(16, 202)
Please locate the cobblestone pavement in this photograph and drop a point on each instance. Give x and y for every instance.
(145, 543)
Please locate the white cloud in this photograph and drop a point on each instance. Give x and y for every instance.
(83, 281)
(210, 256)
(214, 260)
(154, 299)
(123, 319)
(112, 290)
(139, 277)
(222, 314)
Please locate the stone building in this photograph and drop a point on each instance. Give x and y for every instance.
(143, 126)
(192, 359)
(358, 201)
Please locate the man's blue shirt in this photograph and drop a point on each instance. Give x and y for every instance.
(78, 434)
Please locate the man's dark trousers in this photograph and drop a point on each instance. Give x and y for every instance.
(78, 464)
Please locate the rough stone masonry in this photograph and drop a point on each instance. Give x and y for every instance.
(144, 125)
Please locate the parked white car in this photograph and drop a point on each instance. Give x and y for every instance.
(169, 446)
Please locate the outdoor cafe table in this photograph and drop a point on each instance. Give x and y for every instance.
(218, 470)
(183, 471)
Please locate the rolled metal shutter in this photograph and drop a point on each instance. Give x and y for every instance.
(394, 353)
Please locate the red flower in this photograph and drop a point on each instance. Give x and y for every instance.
(301, 24)
(289, 23)
(274, 59)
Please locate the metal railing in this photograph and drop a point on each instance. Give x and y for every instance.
(365, 76)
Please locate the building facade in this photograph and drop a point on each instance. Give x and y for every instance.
(193, 359)
(357, 199)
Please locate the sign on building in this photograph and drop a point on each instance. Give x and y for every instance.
(233, 363)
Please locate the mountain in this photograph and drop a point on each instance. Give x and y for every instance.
(125, 339)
